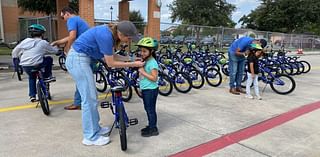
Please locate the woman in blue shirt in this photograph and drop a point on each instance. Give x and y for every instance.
(97, 43)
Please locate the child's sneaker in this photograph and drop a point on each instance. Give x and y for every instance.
(50, 79)
(249, 96)
(150, 132)
(32, 99)
(259, 97)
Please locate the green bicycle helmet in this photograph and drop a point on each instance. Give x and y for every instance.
(255, 47)
(148, 42)
(36, 30)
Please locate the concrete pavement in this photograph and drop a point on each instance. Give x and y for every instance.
(185, 121)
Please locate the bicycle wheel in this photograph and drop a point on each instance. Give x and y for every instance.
(307, 66)
(301, 67)
(182, 82)
(165, 85)
(101, 81)
(48, 90)
(62, 61)
(225, 69)
(123, 81)
(138, 91)
(287, 68)
(283, 84)
(213, 77)
(122, 127)
(196, 78)
(18, 69)
(43, 99)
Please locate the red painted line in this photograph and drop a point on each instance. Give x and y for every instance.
(237, 136)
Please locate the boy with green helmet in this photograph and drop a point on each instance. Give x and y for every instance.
(31, 52)
(149, 84)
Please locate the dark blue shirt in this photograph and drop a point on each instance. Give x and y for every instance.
(95, 42)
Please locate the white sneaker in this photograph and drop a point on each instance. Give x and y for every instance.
(98, 142)
(249, 96)
(259, 97)
(104, 130)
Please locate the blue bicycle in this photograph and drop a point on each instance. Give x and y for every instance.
(43, 90)
(121, 120)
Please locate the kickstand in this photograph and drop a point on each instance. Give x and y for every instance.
(38, 104)
(111, 128)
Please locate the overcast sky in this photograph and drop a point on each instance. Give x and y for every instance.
(102, 8)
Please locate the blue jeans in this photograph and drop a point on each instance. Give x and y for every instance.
(77, 97)
(78, 65)
(236, 69)
(47, 64)
(149, 97)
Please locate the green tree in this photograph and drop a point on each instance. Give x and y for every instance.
(138, 20)
(284, 16)
(202, 12)
(44, 6)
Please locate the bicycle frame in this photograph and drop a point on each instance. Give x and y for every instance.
(117, 102)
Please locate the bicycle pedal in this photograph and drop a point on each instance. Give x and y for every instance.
(105, 104)
(133, 121)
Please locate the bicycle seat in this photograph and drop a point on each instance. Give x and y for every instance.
(117, 89)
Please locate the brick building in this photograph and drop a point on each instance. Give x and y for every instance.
(10, 14)
(9, 19)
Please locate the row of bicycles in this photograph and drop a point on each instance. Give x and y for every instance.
(180, 69)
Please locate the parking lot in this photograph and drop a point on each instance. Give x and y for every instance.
(185, 121)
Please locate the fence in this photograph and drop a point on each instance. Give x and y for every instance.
(48, 21)
(223, 37)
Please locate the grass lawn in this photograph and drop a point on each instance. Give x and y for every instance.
(5, 51)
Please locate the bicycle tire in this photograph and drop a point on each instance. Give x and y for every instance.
(194, 74)
(185, 82)
(280, 81)
(288, 69)
(225, 69)
(213, 73)
(101, 81)
(138, 91)
(307, 66)
(301, 68)
(48, 90)
(62, 61)
(122, 128)
(43, 99)
(164, 80)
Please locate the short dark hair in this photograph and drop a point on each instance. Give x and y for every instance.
(68, 9)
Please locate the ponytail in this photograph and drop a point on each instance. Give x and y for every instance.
(114, 30)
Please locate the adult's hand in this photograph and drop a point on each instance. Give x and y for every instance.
(139, 63)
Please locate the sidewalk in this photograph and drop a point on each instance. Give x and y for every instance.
(193, 120)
